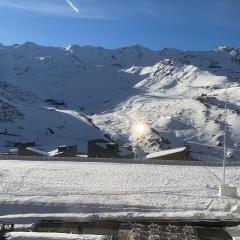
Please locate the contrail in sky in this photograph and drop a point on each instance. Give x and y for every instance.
(72, 6)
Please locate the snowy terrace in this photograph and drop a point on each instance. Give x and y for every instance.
(31, 190)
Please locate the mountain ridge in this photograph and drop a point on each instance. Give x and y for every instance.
(179, 94)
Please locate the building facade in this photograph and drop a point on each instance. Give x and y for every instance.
(101, 148)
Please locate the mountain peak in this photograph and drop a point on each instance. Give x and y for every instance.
(137, 47)
(72, 47)
(222, 48)
(27, 45)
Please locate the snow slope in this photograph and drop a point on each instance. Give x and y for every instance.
(31, 190)
(69, 95)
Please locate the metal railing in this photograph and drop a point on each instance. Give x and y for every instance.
(120, 160)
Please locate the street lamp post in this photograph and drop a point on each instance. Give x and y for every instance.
(225, 189)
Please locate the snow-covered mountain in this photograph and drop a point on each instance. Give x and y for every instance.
(53, 96)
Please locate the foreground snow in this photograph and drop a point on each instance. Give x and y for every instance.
(51, 236)
(32, 190)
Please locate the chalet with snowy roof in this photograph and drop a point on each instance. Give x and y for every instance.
(101, 148)
(61, 151)
(181, 153)
(30, 151)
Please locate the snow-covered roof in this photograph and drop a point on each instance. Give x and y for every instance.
(165, 152)
(53, 236)
(37, 151)
(53, 152)
(13, 151)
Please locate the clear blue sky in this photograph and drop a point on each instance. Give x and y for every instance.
(183, 24)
